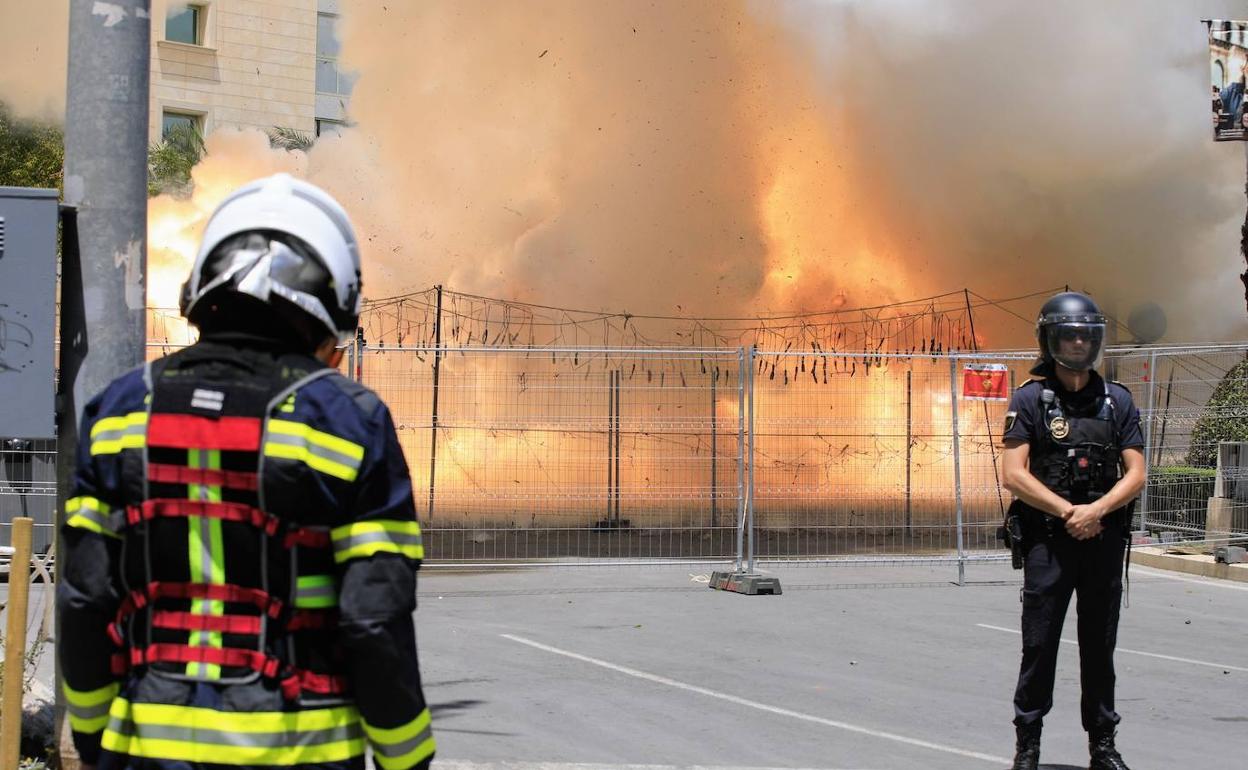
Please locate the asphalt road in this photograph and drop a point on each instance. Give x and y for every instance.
(593, 668)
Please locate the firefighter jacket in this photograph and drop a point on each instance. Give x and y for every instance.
(241, 555)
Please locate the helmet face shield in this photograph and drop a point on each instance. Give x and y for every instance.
(1075, 344)
(268, 264)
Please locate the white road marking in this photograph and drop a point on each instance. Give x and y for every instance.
(453, 764)
(1211, 582)
(760, 706)
(1223, 666)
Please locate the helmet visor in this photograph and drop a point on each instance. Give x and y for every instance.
(1075, 344)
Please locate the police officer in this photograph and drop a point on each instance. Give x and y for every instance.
(1073, 460)
(241, 540)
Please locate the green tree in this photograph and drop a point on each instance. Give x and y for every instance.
(169, 161)
(290, 139)
(32, 154)
(1224, 418)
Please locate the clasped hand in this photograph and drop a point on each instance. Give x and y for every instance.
(1083, 522)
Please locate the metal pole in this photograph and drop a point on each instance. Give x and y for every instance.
(360, 345)
(617, 447)
(992, 446)
(105, 179)
(1159, 454)
(351, 355)
(957, 463)
(106, 123)
(749, 499)
(610, 445)
(743, 365)
(1148, 435)
(714, 452)
(909, 447)
(433, 429)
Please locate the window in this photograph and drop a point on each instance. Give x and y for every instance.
(329, 79)
(179, 122)
(185, 26)
(325, 127)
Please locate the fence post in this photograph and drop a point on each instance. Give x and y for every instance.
(749, 508)
(909, 447)
(1148, 436)
(714, 451)
(433, 426)
(957, 463)
(742, 364)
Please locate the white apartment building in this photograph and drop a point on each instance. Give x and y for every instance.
(247, 63)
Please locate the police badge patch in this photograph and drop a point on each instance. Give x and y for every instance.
(1010, 417)
(1059, 428)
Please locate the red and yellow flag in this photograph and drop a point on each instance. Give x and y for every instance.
(985, 382)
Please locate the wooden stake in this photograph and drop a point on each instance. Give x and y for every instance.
(15, 644)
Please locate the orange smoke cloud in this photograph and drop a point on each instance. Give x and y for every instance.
(731, 158)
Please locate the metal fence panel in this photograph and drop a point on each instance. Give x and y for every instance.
(856, 458)
(556, 455)
(581, 455)
(1183, 423)
(28, 488)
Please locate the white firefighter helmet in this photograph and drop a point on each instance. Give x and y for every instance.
(286, 238)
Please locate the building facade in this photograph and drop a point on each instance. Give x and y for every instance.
(261, 64)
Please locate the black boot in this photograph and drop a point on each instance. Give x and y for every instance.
(1104, 755)
(1027, 747)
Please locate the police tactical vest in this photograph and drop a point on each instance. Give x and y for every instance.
(1079, 457)
(220, 588)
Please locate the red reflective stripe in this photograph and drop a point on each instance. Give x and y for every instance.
(220, 656)
(270, 605)
(173, 508)
(226, 624)
(188, 431)
(295, 679)
(310, 538)
(303, 620)
(180, 474)
(322, 684)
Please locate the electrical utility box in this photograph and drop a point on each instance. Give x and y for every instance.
(28, 226)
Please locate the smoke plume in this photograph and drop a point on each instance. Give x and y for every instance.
(728, 157)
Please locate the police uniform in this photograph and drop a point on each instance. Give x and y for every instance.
(1075, 447)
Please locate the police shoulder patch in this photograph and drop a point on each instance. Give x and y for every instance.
(1010, 418)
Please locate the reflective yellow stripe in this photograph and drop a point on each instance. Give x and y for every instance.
(113, 424)
(320, 451)
(313, 592)
(365, 538)
(88, 709)
(316, 463)
(113, 434)
(319, 438)
(89, 513)
(206, 552)
(190, 734)
(401, 747)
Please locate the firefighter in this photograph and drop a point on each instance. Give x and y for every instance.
(1073, 459)
(241, 539)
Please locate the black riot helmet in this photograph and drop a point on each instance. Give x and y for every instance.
(1071, 332)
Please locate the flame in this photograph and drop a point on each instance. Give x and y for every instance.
(175, 224)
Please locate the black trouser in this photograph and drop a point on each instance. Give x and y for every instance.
(1055, 566)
